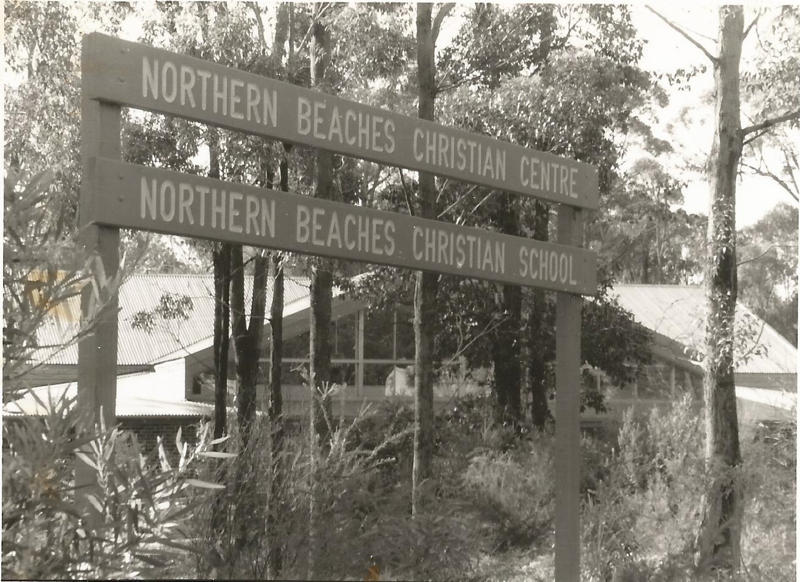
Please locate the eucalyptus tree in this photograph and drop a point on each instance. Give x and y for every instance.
(719, 536)
(45, 262)
(568, 82)
(644, 236)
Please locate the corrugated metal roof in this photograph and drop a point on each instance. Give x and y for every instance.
(171, 337)
(678, 312)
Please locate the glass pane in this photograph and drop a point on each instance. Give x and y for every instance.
(296, 347)
(654, 382)
(378, 338)
(343, 337)
(376, 374)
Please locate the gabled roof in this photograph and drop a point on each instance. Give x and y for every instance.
(168, 339)
(677, 312)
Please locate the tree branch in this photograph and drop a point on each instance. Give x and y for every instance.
(768, 174)
(406, 192)
(437, 20)
(751, 25)
(770, 122)
(684, 34)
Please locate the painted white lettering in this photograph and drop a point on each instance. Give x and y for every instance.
(186, 199)
(253, 99)
(167, 194)
(303, 232)
(204, 77)
(149, 78)
(187, 86)
(268, 217)
(418, 135)
(236, 98)
(303, 116)
(348, 241)
(169, 82)
(319, 108)
(148, 200)
(233, 211)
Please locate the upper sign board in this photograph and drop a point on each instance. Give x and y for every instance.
(136, 75)
(174, 203)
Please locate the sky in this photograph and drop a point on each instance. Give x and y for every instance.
(665, 51)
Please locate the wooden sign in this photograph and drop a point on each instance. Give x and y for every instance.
(174, 203)
(139, 76)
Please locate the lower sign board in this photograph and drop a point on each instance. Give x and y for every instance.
(132, 196)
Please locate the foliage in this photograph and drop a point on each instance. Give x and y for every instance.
(171, 307)
(44, 272)
(130, 524)
(361, 498)
(768, 269)
(642, 517)
(515, 490)
(643, 236)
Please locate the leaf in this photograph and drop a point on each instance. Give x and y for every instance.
(150, 560)
(204, 484)
(85, 458)
(95, 503)
(176, 545)
(178, 438)
(217, 455)
(220, 440)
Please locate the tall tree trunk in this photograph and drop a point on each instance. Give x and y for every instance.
(277, 505)
(718, 543)
(247, 337)
(506, 344)
(248, 343)
(221, 259)
(540, 413)
(321, 300)
(275, 408)
(426, 283)
(321, 270)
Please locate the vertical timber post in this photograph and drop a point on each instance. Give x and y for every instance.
(97, 348)
(360, 353)
(568, 454)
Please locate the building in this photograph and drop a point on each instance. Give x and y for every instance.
(165, 358)
(766, 368)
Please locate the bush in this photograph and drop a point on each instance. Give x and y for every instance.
(642, 515)
(769, 533)
(129, 524)
(515, 490)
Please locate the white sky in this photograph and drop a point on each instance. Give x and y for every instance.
(667, 51)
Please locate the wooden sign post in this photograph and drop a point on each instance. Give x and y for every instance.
(114, 194)
(568, 388)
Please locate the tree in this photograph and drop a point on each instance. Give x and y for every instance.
(768, 269)
(321, 269)
(643, 234)
(426, 282)
(718, 540)
(45, 265)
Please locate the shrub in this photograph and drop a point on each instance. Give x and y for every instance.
(130, 522)
(642, 515)
(769, 533)
(515, 490)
